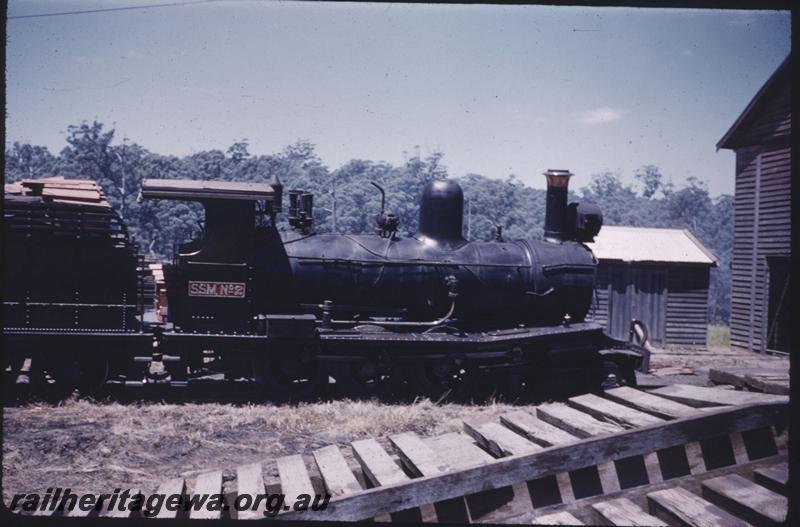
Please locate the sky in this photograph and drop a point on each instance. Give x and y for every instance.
(498, 89)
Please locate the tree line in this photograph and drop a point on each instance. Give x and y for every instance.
(346, 202)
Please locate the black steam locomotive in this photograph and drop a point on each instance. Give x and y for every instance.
(306, 312)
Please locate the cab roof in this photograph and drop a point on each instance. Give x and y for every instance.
(197, 190)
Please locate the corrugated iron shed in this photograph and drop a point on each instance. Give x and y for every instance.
(646, 245)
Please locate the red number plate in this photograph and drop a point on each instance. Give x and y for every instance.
(217, 289)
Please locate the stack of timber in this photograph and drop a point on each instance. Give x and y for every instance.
(677, 455)
(160, 295)
(770, 380)
(65, 208)
(60, 190)
(154, 290)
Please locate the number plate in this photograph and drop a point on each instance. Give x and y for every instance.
(217, 289)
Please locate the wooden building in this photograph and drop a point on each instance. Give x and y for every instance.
(659, 276)
(761, 138)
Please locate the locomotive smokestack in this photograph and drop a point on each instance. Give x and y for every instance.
(555, 216)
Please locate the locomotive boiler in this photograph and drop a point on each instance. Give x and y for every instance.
(305, 313)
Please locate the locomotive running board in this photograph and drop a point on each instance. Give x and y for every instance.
(488, 337)
(595, 459)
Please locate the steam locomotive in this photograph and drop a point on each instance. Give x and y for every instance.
(302, 312)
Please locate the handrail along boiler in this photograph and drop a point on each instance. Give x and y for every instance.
(294, 308)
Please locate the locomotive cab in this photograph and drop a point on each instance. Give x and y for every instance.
(211, 285)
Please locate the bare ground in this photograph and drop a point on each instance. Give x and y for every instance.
(93, 446)
(96, 447)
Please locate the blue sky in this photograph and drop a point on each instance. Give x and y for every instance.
(498, 89)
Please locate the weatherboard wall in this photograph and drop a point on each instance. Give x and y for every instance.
(671, 298)
(761, 139)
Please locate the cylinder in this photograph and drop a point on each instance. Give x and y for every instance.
(555, 216)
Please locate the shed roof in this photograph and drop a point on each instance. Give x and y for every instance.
(780, 75)
(644, 244)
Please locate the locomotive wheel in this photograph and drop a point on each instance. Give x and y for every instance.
(291, 376)
(443, 379)
(86, 373)
(366, 379)
(505, 385)
(614, 376)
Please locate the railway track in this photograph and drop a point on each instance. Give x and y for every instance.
(676, 455)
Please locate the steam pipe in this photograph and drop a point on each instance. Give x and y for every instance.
(383, 194)
(430, 324)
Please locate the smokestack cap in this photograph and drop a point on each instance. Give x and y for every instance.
(558, 178)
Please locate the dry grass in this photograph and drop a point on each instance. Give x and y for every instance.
(96, 447)
(719, 337)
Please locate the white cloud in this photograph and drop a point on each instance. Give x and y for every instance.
(601, 115)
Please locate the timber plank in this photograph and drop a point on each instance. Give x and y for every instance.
(678, 504)
(775, 478)
(603, 408)
(499, 440)
(653, 468)
(74, 194)
(535, 429)
(378, 466)
(773, 384)
(623, 511)
(647, 402)
(114, 512)
(417, 456)
(508, 471)
(46, 512)
(48, 506)
(731, 375)
(694, 456)
(557, 518)
(583, 425)
(250, 480)
(738, 447)
(294, 477)
(701, 396)
(458, 450)
(175, 486)
(573, 421)
(746, 499)
(76, 512)
(209, 483)
(420, 458)
(544, 434)
(609, 479)
(492, 436)
(337, 476)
